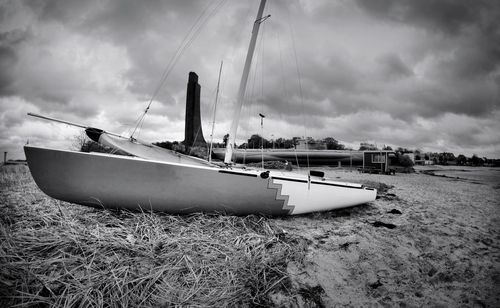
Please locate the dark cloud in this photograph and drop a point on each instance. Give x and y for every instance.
(15, 36)
(393, 67)
(474, 58)
(472, 28)
(367, 70)
(8, 60)
(68, 12)
(447, 16)
(9, 42)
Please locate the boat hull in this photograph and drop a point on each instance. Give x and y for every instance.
(104, 180)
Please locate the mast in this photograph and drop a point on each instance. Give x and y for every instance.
(215, 110)
(243, 84)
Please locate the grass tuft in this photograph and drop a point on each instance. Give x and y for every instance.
(59, 254)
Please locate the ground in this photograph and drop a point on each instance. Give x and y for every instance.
(430, 239)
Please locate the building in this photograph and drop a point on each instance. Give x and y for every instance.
(378, 161)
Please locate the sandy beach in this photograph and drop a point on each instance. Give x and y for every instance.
(426, 241)
(430, 239)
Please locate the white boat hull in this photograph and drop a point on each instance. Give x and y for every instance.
(104, 180)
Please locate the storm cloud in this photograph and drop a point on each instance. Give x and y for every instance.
(418, 74)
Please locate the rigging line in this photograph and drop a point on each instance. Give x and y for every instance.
(262, 49)
(192, 33)
(296, 157)
(283, 80)
(197, 134)
(232, 53)
(249, 98)
(300, 85)
(250, 95)
(262, 138)
(198, 131)
(141, 118)
(195, 139)
(186, 42)
(262, 41)
(195, 34)
(168, 67)
(215, 110)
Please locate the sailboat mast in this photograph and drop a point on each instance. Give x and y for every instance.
(243, 84)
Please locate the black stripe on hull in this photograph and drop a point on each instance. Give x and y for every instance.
(237, 173)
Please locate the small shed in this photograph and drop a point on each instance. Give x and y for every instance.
(378, 161)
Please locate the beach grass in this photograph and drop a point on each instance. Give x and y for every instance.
(426, 240)
(59, 254)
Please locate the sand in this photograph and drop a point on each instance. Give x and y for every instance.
(442, 250)
(428, 240)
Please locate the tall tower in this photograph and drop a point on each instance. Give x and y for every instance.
(193, 134)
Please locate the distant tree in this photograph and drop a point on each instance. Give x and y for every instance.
(225, 139)
(476, 160)
(79, 142)
(403, 150)
(288, 143)
(92, 146)
(333, 144)
(367, 147)
(83, 144)
(256, 141)
(295, 141)
(164, 144)
(178, 147)
(461, 160)
(282, 143)
(387, 148)
(278, 143)
(418, 154)
(405, 160)
(445, 157)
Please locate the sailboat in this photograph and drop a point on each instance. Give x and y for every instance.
(152, 179)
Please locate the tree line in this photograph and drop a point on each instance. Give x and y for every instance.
(255, 141)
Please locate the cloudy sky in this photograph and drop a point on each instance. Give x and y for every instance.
(418, 74)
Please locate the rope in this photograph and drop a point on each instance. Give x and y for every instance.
(193, 32)
(199, 128)
(300, 86)
(261, 114)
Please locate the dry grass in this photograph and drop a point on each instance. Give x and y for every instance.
(58, 254)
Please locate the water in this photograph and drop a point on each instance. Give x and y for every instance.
(483, 175)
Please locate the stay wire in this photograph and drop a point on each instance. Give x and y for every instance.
(300, 86)
(191, 35)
